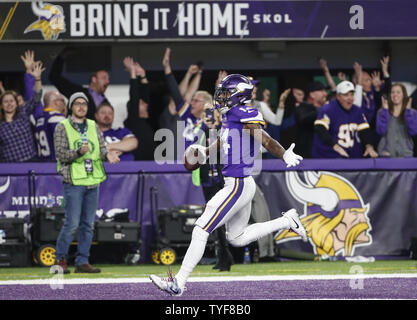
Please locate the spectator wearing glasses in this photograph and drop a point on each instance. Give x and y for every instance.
(80, 150)
(190, 112)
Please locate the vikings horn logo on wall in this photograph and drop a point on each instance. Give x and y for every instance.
(51, 20)
(335, 216)
(4, 186)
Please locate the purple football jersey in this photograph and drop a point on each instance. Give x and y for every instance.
(117, 135)
(193, 130)
(343, 126)
(238, 148)
(44, 133)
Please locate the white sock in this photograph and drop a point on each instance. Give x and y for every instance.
(193, 255)
(256, 231)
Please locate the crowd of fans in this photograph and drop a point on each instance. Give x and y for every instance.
(365, 117)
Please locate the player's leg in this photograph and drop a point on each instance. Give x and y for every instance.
(215, 211)
(229, 200)
(225, 202)
(240, 234)
(193, 255)
(175, 286)
(224, 258)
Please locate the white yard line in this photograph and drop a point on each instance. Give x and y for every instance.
(211, 279)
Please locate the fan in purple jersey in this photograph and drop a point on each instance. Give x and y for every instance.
(121, 139)
(341, 129)
(241, 137)
(46, 121)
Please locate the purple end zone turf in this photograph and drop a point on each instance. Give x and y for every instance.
(388, 288)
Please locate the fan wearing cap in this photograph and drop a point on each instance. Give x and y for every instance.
(341, 129)
(79, 150)
(305, 115)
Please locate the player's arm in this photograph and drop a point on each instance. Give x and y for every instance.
(198, 153)
(272, 145)
(210, 150)
(269, 143)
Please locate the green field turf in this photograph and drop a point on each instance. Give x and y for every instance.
(254, 269)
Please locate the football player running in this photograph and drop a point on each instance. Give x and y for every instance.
(239, 144)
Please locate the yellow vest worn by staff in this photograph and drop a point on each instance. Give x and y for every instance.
(79, 176)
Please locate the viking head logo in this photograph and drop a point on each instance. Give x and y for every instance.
(335, 215)
(51, 20)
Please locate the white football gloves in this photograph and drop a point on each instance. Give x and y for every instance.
(190, 154)
(290, 158)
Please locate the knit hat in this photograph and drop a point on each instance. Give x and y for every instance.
(74, 97)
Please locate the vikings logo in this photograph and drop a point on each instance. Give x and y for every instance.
(335, 216)
(4, 186)
(51, 20)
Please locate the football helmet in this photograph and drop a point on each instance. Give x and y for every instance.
(234, 90)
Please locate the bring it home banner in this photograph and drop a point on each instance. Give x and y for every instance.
(207, 20)
(349, 207)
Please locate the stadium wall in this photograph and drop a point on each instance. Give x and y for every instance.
(358, 207)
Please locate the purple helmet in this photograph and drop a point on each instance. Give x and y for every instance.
(234, 90)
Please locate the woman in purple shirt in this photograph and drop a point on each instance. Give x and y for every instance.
(17, 143)
(396, 122)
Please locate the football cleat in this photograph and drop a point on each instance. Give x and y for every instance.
(295, 223)
(169, 286)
